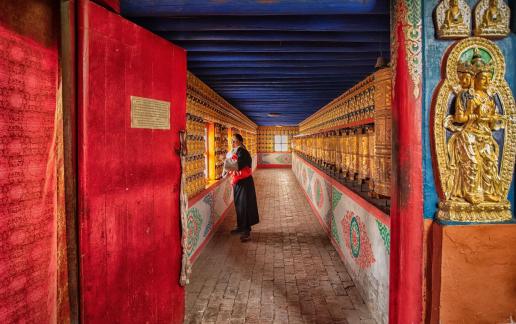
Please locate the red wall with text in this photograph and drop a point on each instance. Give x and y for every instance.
(31, 212)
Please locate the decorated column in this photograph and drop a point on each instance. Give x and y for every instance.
(405, 286)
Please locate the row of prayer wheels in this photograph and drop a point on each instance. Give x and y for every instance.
(249, 141)
(347, 154)
(356, 149)
(195, 164)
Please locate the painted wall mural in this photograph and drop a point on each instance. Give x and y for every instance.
(357, 240)
(359, 232)
(277, 158)
(204, 215)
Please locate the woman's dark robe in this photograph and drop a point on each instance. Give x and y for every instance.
(244, 194)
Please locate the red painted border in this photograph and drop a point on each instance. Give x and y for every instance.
(371, 209)
(208, 237)
(274, 166)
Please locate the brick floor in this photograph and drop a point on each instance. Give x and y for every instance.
(288, 273)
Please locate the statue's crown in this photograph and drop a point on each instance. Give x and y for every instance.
(465, 67)
(478, 64)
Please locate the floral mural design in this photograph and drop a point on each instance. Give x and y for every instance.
(228, 190)
(335, 198)
(385, 233)
(310, 173)
(357, 240)
(329, 213)
(284, 158)
(303, 176)
(262, 158)
(193, 224)
(318, 194)
(274, 158)
(210, 201)
(334, 231)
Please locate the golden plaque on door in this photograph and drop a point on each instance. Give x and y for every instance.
(150, 113)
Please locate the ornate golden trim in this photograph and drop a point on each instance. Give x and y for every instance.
(213, 107)
(484, 211)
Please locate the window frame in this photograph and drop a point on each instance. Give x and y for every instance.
(283, 143)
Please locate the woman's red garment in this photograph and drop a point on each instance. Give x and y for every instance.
(243, 173)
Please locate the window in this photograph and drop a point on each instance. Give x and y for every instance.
(281, 143)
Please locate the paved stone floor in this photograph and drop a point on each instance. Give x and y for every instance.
(288, 273)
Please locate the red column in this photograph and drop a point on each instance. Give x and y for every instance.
(406, 262)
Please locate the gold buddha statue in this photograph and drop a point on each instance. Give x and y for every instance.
(473, 152)
(453, 19)
(492, 18)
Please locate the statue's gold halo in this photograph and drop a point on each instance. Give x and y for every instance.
(460, 210)
(463, 46)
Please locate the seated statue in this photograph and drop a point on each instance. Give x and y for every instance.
(453, 17)
(472, 149)
(453, 20)
(492, 18)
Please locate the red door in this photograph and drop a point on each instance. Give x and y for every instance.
(129, 177)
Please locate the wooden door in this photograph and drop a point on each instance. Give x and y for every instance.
(128, 170)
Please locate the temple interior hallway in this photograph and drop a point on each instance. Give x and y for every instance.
(288, 273)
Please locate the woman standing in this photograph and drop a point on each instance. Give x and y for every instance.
(244, 192)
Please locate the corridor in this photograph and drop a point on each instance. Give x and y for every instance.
(288, 273)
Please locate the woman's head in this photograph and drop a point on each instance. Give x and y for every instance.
(237, 140)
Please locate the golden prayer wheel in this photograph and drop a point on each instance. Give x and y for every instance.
(382, 118)
(370, 151)
(346, 157)
(331, 150)
(353, 152)
(362, 154)
(326, 146)
(319, 149)
(338, 151)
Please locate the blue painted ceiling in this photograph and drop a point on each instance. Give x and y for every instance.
(272, 56)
